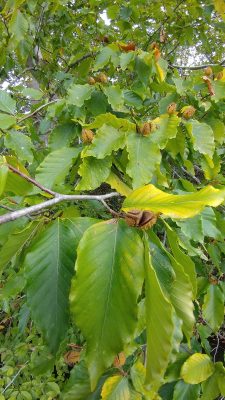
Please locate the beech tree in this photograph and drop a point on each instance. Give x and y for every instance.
(112, 226)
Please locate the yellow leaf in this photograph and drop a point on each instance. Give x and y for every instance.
(220, 7)
(115, 182)
(175, 206)
(197, 368)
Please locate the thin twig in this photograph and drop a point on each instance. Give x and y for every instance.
(57, 198)
(33, 68)
(114, 213)
(36, 111)
(196, 67)
(6, 26)
(12, 216)
(166, 19)
(216, 348)
(31, 180)
(14, 378)
(191, 176)
(79, 60)
(6, 208)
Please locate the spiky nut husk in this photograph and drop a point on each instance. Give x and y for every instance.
(133, 217)
(219, 75)
(91, 80)
(146, 128)
(87, 135)
(188, 112)
(119, 360)
(208, 71)
(148, 219)
(102, 78)
(141, 219)
(171, 109)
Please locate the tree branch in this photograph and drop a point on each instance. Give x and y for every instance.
(79, 60)
(196, 67)
(37, 110)
(31, 180)
(14, 378)
(59, 198)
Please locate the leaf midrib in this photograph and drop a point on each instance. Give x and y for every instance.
(109, 287)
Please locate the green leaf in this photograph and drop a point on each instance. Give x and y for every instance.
(93, 172)
(18, 26)
(181, 297)
(210, 388)
(144, 156)
(112, 120)
(16, 242)
(16, 184)
(62, 135)
(184, 391)
(220, 375)
(219, 89)
(109, 278)
(77, 94)
(106, 140)
(213, 307)
(142, 68)
(116, 388)
(125, 59)
(20, 144)
(78, 386)
(7, 104)
(159, 326)
(209, 223)
(174, 206)
(32, 93)
(6, 121)
(218, 129)
(3, 177)
(192, 228)
(98, 103)
(49, 267)
(161, 263)
(103, 57)
(166, 129)
(132, 99)
(55, 166)
(202, 137)
(211, 167)
(197, 368)
(115, 96)
(183, 259)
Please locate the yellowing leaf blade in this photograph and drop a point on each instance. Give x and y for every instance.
(175, 206)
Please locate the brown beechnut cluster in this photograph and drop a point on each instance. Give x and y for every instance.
(141, 219)
(208, 71)
(188, 112)
(146, 128)
(87, 136)
(219, 75)
(102, 78)
(172, 108)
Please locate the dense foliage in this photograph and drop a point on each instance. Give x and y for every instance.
(112, 190)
